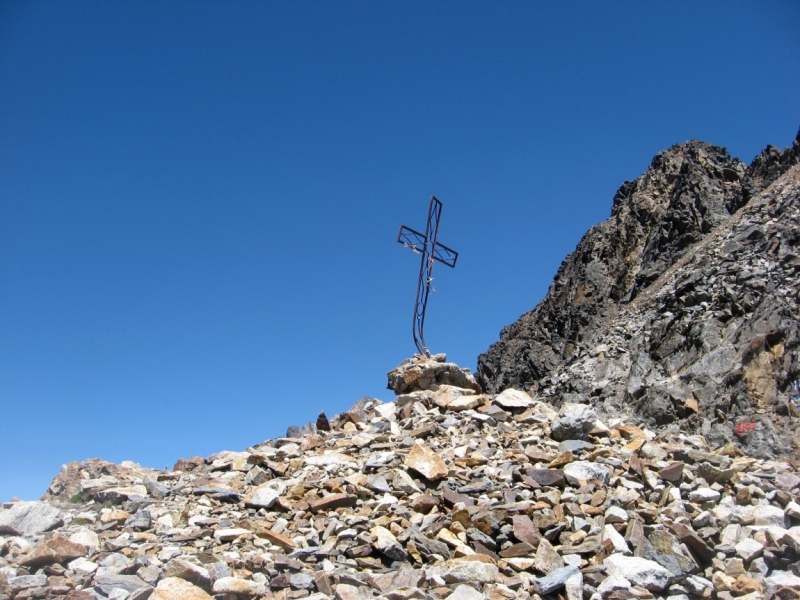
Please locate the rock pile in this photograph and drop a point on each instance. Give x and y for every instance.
(682, 307)
(444, 492)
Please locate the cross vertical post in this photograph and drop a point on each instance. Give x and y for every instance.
(431, 250)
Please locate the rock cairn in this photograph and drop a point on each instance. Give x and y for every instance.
(444, 492)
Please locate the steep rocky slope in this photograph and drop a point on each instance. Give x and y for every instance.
(686, 296)
(444, 493)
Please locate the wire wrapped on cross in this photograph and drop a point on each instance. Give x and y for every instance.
(431, 250)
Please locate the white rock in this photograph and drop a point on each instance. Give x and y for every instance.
(582, 470)
(466, 571)
(290, 450)
(639, 571)
(446, 394)
(749, 549)
(29, 518)
(387, 544)
(512, 398)
(574, 421)
(234, 585)
(101, 482)
(465, 403)
(402, 482)
(704, 495)
(465, 592)
(792, 509)
(226, 535)
(767, 514)
(426, 462)
(386, 411)
(345, 591)
(619, 543)
(616, 514)
(86, 537)
(82, 565)
(781, 579)
(612, 583)
(331, 458)
(697, 585)
(574, 587)
(261, 497)
(24, 582)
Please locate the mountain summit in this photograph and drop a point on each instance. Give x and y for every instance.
(681, 307)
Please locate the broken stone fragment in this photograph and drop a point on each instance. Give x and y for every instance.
(403, 578)
(574, 422)
(118, 495)
(55, 550)
(639, 571)
(704, 495)
(469, 571)
(29, 518)
(547, 559)
(235, 585)
(227, 535)
(769, 515)
(465, 592)
(24, 582)
(278, 539)
(547, 477)
(189, 571)
(554, 580)
(332, 502)
(525, 531)
(344, 591)
(262, 496)
(444, 395)
(174, 588)
(387, 544)
(579, 472)
(465, 403)
(129, 583)
(329, 458)
(672, 473)
(426, 462)
(512, 399)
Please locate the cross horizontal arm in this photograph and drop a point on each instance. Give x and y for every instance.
(416, 241)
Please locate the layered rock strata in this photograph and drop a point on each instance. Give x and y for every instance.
(682, 306)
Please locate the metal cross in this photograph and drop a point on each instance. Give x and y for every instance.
(431, 250)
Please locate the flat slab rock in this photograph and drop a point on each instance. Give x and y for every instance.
(639, 571)
(29, 518)
(426, 462)
(173, 588)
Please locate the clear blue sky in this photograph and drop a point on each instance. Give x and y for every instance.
(199, 200)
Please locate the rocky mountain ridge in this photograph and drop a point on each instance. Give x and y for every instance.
(443, 493)
(682, 306)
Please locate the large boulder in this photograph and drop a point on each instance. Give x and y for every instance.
(29, 518)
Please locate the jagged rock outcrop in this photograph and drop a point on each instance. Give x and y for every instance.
(686, 296)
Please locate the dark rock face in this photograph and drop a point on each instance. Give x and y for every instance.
(686, 293)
